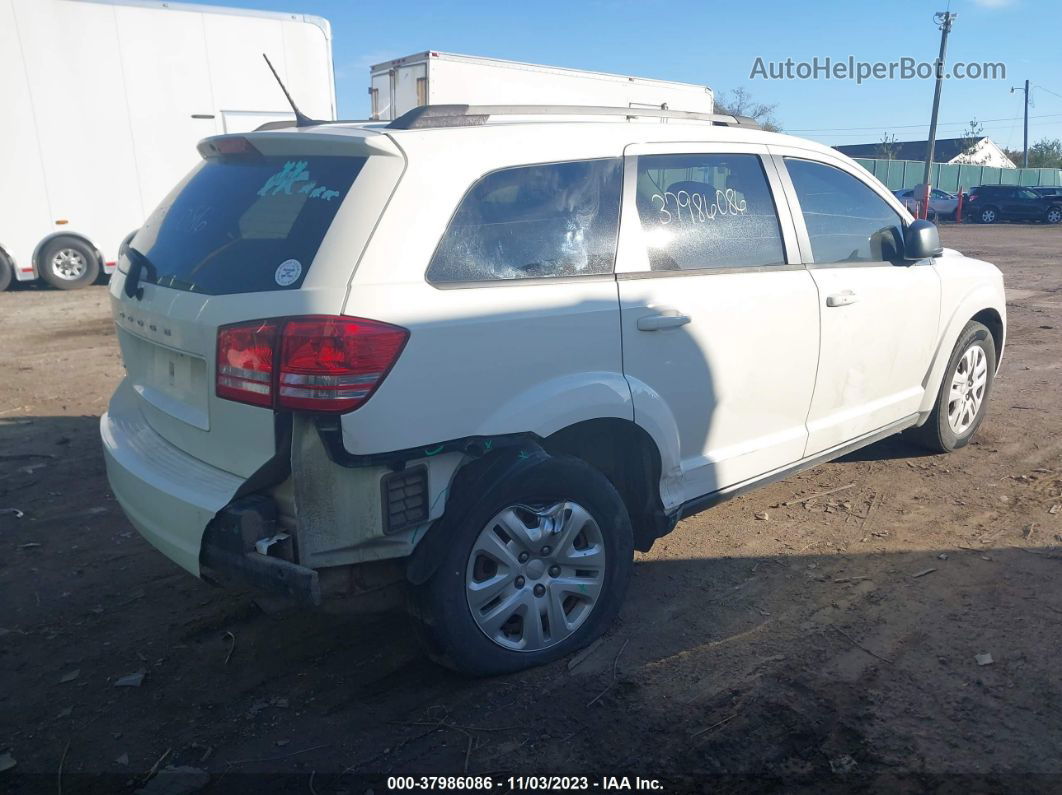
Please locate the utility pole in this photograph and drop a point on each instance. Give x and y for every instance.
(944, 20)
(1025, 156)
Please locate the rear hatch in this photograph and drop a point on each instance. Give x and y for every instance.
(267, 225)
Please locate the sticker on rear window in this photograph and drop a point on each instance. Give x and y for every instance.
(288, 272)
(296, 172)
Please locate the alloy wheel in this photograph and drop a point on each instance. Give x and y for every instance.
(967, 391)
(69, 264)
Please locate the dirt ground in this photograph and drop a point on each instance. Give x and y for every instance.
(837, 638)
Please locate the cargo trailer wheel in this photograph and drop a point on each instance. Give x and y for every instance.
(6, 273)
(963, 398)
(68, 263)
(532, 573)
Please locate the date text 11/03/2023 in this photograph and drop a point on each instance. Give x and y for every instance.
(523, 783)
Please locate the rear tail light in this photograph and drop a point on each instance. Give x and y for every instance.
(245, 363)
(312, 363)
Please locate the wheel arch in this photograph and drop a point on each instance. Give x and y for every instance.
(628, 456)
(44, 241)
(992, 319)
(982, 305)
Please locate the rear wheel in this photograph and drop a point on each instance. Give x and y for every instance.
(1053, 215)
(68, 263)
(963, 398)
(988, 215)
(535, 573)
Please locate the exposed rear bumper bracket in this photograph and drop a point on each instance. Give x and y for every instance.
(275, 575)
(228, 552)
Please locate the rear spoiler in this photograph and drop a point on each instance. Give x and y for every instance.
(349, 141)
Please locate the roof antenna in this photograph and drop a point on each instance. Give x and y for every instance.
(301, 119)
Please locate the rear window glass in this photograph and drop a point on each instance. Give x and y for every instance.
(532, 222)
(244, 224)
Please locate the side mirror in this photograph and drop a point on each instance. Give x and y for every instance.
(921, 240)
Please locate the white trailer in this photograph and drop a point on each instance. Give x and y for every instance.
(105, 101)
(441, 78)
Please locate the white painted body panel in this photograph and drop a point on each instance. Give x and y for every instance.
(733, 403)
(453, 79)
(98, 136)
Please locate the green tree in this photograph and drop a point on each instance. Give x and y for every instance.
(1046, 153)
(738, 102)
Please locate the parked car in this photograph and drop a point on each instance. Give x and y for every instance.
(435, 355)
(941, 203)
(988, 204)
(1055, 192)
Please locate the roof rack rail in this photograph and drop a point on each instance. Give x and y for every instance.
(428, 116)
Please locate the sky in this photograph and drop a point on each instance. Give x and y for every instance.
(717, 44)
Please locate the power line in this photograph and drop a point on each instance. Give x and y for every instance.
(880, 127)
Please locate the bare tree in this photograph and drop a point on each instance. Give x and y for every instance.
(887, 147)
(738, 102)
(970, 138)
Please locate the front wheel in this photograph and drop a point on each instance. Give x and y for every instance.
(531, 574)
(963, 398)
(1053, 215)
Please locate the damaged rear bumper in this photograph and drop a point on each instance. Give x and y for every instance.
(230, 552)
(168, 495)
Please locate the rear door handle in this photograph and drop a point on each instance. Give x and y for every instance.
(843, 298)
(661, 321)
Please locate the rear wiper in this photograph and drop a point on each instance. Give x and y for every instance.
(137, 264)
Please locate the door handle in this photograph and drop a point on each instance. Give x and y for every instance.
(843, 298)
(661, 321)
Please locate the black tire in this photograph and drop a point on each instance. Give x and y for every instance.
(73, 248)
(937, 434)
(440, 606)
(1053, 214)
(987, 215)
(7, 275)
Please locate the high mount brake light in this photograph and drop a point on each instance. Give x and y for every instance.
(310, 363)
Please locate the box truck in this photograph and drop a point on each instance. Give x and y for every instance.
(442, 78)
(105, 101)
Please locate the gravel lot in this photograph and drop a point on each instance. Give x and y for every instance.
(802, 646)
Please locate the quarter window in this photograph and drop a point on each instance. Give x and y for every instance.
(707, 211)
(552, 220)
(845, 219)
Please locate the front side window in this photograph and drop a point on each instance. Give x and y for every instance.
(558, 219)
(846, 220)
(707, 211)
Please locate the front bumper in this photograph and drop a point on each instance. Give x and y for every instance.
(168, 495)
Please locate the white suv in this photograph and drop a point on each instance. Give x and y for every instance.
(487, 355)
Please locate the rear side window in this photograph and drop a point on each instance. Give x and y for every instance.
(707, 211)
(845, 219)
(558, 219)
(243, 224)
